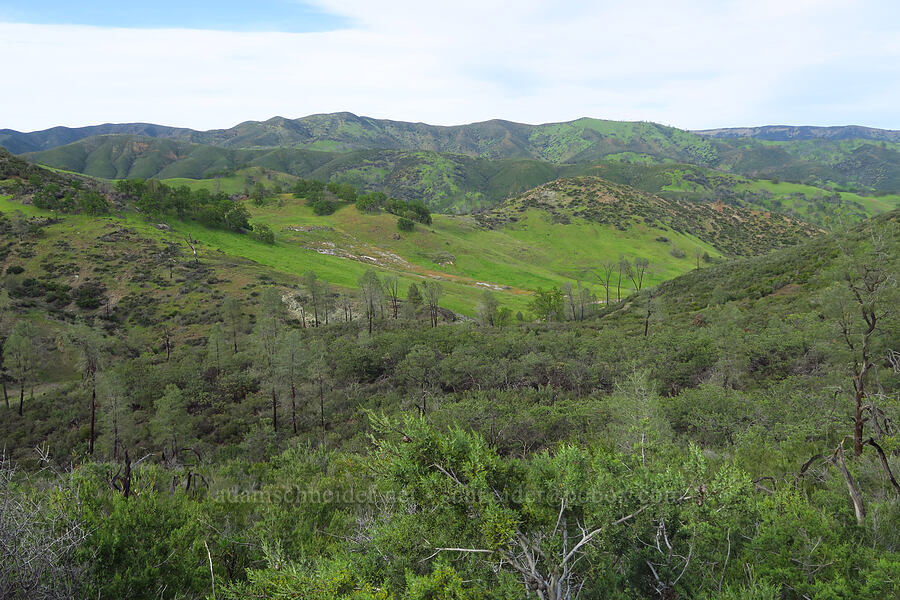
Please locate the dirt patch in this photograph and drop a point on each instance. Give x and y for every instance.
(788, 290)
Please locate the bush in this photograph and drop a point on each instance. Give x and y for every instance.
(404, 224)
(324, 207)
(343, 191)
(311, 189)
(371, 203)
(89, 295)
(14, 270)
(263, 233)
(677, 252)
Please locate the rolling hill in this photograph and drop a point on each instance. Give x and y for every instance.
(854, 155)
(454, 182)
(787, 133)
(447, 182)
(519, 246)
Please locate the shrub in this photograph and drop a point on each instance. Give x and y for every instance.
(404, 224)
(89, 295)
(263, 233)
(324, 207)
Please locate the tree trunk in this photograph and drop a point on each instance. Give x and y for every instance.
(855, 497)
(858, 422)
(294, 408)
(5, 394)
(116, 441)
(274, 410)
(93, 419)
(322, 408)
(647, 318)
(126, 480)
(885, 464)
(21, 396)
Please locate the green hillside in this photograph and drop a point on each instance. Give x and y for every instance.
(868, 161)
(713, 412)
(447, 182)
(526, 243)
(454, 182)
(825, 205)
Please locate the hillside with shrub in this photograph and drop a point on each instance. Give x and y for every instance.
(233, 427)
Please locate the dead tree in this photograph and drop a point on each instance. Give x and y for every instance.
(867, 289)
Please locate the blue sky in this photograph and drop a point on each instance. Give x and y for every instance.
(692, 64)
(258, 15)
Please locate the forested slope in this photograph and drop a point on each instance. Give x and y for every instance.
(393, 453)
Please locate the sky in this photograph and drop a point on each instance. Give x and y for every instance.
(690, 64)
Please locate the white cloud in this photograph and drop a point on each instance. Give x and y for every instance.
(689, 64)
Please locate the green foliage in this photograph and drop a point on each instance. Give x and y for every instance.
(156, 199)
(324, 207)
(171, 423)
(89, 295)
(404, 224)
(547, 305)
(371, 203)
(310, 189)
(263, 233)
(141, 545)
(344, 192)
(535, 433)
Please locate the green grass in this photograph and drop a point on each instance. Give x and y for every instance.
(534, 251)
(872, 204)
(237, 183)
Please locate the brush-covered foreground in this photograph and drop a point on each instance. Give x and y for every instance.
(178, 427)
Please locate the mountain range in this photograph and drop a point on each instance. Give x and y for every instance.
(857, 156)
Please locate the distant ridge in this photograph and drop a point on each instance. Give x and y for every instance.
(810, 155)
(344, 131)
(788, 133)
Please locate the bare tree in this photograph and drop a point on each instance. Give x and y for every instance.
(370, 286)
(318, 371)
(638, 271)
(569, 293)
(623, 267)
(607, 268)
(117, 414)
(861, 311)
(88, 347)
(433, 293)
(293, 363)
(234, 315)
(649, 312)
(585, 299)
(269, 340)
(392, 287)
(314, 291)
(39, 542)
